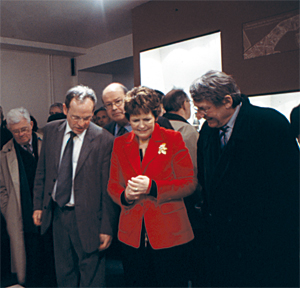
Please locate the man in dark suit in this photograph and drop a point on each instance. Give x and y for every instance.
(113, 100)
(84, 218)
(248, 166)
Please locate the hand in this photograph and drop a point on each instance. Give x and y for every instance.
(37, 216)
(105, 241)
(139, 184)
(136, 187)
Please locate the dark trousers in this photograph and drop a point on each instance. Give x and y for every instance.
(40, 270)
(74, 267)
(146, 267)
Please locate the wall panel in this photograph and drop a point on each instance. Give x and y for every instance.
(158, 23)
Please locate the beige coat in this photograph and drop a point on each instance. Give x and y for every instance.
(190, 138)
(10, 203)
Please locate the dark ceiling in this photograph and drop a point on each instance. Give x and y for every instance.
(84, 23)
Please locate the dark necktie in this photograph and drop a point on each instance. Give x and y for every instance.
(121, 131)
(222, 136)
(29, 148)
(64, 179)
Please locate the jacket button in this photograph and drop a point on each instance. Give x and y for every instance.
(54, 180)
(209, 214)
(45, 207)
(49, 193)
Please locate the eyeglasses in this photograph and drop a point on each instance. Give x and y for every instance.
(201, 110)
(19, 131)
(117, 103)
(84, 119)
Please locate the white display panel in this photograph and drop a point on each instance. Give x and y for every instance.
(283, 102)
(178, 65)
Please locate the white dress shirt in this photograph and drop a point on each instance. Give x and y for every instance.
(77, 144)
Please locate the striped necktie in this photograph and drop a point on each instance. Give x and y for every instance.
(222, 135)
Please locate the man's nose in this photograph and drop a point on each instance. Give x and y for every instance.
(81, 122)
(200, 114)
(21, 133)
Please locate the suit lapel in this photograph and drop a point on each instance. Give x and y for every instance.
(57, 142)
(13, 167)
(86, 147)
(153, 148)
(211, 154)
(239, 134)
(221, 169)
(131, 151)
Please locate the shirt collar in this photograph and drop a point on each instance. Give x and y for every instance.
(232, 120)
(127, 127)
(173, 116)
(80, 136)
(30, 143)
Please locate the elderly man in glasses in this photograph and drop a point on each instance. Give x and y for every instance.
(17, 171)
(113, 99)
(248, 166)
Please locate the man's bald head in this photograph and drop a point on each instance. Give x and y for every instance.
(113, 99)
(113, 87)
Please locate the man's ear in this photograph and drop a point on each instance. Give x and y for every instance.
(31, 124)
(227, 101)
(65, 109)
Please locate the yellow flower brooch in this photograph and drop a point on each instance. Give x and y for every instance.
(162, 149)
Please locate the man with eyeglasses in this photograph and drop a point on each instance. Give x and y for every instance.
(113, 100)
(70, 192)
(248, 166)
(113, 97)
(18, 163)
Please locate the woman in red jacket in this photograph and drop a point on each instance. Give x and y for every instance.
(151, 172)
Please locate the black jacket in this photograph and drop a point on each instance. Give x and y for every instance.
(251, 201)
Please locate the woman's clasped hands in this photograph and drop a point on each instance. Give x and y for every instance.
(136, 187)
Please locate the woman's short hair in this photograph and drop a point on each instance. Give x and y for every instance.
(80, 93)
(174, 100)
(16, 115)
(141, 100)
(214, 86)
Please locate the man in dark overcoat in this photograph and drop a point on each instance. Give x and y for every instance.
(248, 166)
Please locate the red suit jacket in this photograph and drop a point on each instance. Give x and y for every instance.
(168, 163)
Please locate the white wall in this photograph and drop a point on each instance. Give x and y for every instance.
(96, 81)
(62, 79)
(36, 79)
(33, 81)
(127, 79)
(104, 53)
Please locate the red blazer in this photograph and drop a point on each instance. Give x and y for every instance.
(168, 163)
